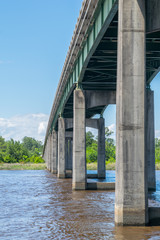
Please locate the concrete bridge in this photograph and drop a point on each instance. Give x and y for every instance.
(113, 57)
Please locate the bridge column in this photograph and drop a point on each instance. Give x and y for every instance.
(61, 148)
(101, 149)
(55, 152)
(131, 185)
(69, 154)
(50, 152)
(79, 180)
(66, 152)
(150, 138)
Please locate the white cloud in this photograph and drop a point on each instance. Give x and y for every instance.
(42, 127)
(30, 125)
(112, 127)
(92, 130)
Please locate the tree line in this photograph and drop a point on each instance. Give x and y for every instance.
(29, 150)
(110, 148)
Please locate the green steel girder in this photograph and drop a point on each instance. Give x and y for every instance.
(96, 64)
(103, 12)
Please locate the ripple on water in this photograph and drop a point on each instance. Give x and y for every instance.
(37, 205)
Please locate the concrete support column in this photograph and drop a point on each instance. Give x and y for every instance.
(101, 149)
(47, 154)
(69, 152)
(70, 157)
(66, 152)
(150, 141)
(79, 180)
(55, 152)
(61, 148)
(131, 185)
(50, 152)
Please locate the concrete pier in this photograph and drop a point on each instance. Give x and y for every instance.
(150, 141)
(69, 152)
(131, 185)
(79, 146)
(101, 149)
(55, 152)
(49, 152)
(61, 148)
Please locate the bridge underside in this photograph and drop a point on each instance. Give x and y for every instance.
(101, 71)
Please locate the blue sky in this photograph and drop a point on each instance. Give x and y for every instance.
(34, 40)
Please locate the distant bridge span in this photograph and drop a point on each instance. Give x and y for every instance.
(112, 59)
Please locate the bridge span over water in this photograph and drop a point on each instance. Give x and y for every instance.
(113, 56)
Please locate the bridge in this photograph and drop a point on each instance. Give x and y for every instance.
(113, 56)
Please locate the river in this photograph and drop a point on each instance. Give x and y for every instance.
(37, 205)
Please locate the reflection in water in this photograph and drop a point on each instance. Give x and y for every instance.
(37, 205)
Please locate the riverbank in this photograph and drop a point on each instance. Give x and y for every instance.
(22, 166)
(42, 166)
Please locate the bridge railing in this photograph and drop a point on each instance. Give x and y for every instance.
(92, 16)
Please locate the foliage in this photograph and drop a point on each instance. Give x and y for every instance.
(29, 150)
(92, 147)
(110, 148)
(157, 150)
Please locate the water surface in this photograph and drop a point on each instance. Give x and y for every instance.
(37, 205)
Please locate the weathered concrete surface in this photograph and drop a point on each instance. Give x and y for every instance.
(92, 123)
(131, 190)
(101, 149)
(68, 154)
(55, 152)
(61, 148)
(49, 152)
(79, 142)
(150, 141)
(99, 98)
(101, 186)
(69, 134)
(68, 123)
(153, 15)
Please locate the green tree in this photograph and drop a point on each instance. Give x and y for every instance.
(32, 145)
(15, 152)
(89, 139)
(110, 149)
(3, 147)
(157, 150)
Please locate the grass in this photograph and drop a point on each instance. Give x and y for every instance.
(111, 166)
(93, 166)
(22, 166)
(42, 166)
(158, 166)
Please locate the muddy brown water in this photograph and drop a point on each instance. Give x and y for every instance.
(36, 205)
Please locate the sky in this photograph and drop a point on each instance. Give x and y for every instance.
(34, 40)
